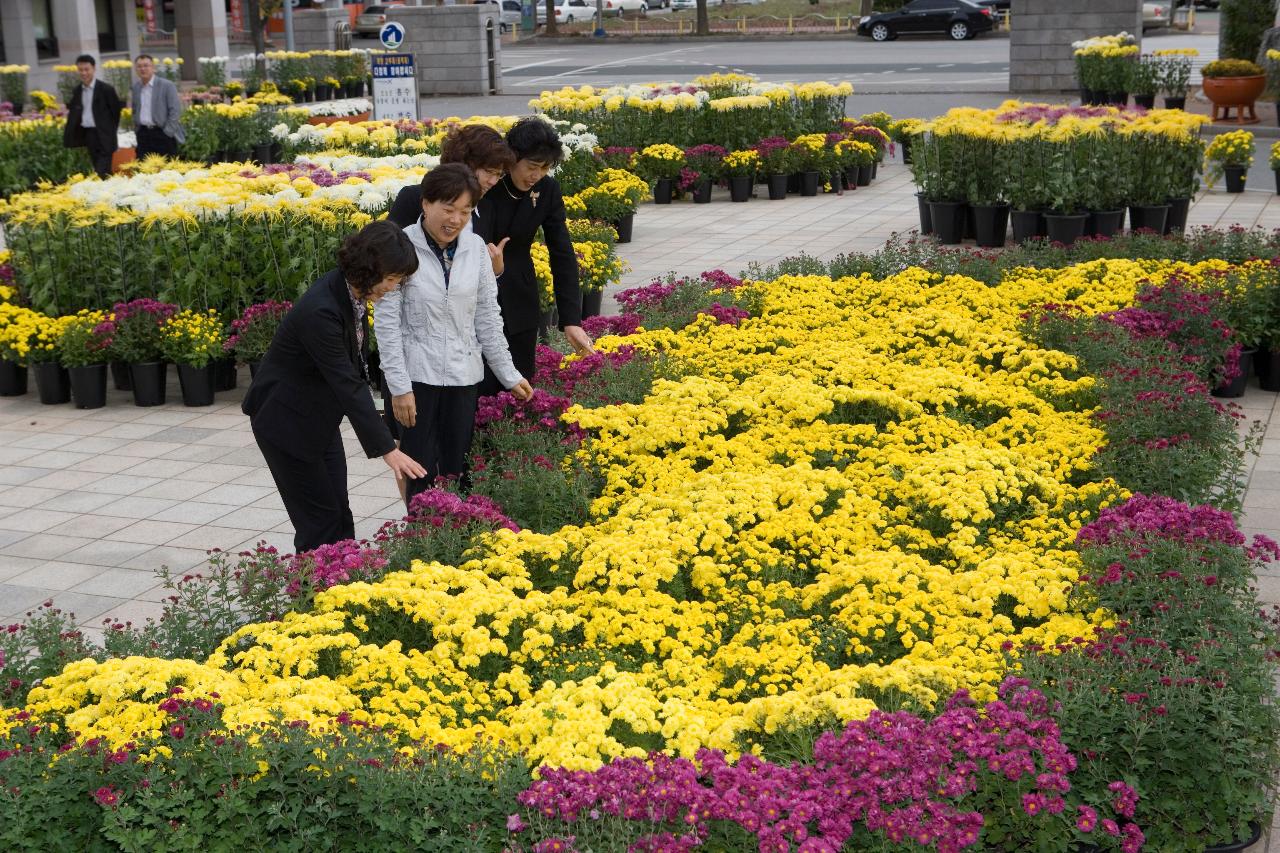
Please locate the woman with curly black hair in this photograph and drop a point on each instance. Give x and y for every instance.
(315, 373)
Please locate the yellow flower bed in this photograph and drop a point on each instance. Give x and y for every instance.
(854, 499)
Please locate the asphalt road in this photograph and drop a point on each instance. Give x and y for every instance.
(981, 65)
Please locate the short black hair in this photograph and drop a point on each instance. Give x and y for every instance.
(84, 57)
(532, 138)
(449, 181)
(479, 146)
(374, 252)
(145, 56)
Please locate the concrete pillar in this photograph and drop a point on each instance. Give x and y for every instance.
(128, 33)
(202, 31)
(76, 26)
(19, 35)
(1040, 54)
(450, 45)
(313, 29)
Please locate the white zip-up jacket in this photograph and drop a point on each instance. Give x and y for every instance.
(436, 335)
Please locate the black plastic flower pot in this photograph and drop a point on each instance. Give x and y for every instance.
(1175, 103)
(197, 384)
(624, 227)
(702, 193)
(809, 183)
(1235, 388)
(591, 300)
(88, 386)
(1147, 102)
(849, 179)
(778, 187)
(905, 145)
(225, 374)
(991, 224)
(1234, 178)
(662, 189)
(1255, 833)
(1027, 225)
(1105, 223)
(1277, 174)
(740, 188)
(53, 385)
(13, 379)
(864, 176)
(1177, 218)
(1266, 366)
(948, 220)
(875, 169)
(794, 181)
(1153, 218)
(1065, 228)
(926, 218)
(1118, 99)
(262, 154)
(120, 375)
(149, 378)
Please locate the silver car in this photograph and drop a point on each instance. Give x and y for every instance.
(509, 15)
(369, 22)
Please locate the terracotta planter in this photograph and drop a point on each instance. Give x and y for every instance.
(364, 116)
(121, 156)
(1238, 92)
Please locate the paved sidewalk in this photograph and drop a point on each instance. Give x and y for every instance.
(92, 503)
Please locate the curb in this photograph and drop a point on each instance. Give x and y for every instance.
(587, 38)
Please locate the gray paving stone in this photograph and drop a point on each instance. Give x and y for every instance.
(194, 512)
(177, 560)
(16, 600)
(108, 553)
(35, 520)
(119, 583)
(57, 574)
(121, 484)
(151, 532)
(44, 546)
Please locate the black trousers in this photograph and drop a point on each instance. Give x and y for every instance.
(153, 140)
(524, 349)
(314, 493)
(99, 156)
(440, 439)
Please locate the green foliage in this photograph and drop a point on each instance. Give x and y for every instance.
(1242, 24)
(1235, 245)
(281, 787)
(227, 263)
(31, 152)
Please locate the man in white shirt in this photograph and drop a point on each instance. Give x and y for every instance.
(156, 111)
(93, 117)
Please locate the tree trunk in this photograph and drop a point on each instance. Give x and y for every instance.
(551, 18)
(704, 23)
(257, 29)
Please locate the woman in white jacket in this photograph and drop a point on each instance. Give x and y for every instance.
(434, 330)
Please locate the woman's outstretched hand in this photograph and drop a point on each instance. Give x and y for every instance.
(522, 390)
(403, 465)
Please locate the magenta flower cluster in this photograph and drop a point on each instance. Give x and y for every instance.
(896, 775)
(615, 324)
(269, 312)
(330, 565)
(1051, 114)
(1145, 516)
(439, 508)
(318, 175)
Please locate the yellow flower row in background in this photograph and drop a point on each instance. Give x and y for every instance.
(850, 501)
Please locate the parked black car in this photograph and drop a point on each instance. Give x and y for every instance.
(960, 19)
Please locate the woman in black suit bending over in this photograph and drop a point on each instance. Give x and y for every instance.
(526, 199)
(314, 373)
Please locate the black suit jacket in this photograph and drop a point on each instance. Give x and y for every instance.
(519, 219)
(106, 109)
(311, 377)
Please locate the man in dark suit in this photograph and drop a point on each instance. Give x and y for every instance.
(314, 374)
(93, 116)
(157, 111)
